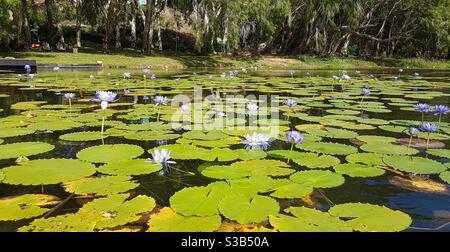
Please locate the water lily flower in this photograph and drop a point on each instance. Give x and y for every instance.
(252, 107)
(294, 137)
(153, 77)
(400, 70)
(161, 100)
(370, 76)
(358, 72)
(31, 76)
(440, 110)
(104, 97)
(127, 75)
(161, 142)
(244, 70)
(290, 103)
(220, 114)
(416, 74)
(69, 95)
(429, 128)
(366, 91)
(27, 68)
(210, 77)
(162, 157)
(145, 98)
(423, 108)
(413, 132)
(336, 78)
(56, 68)
(256, 141)
(145, 71)
(345, 76)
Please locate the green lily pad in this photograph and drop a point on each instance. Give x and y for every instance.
(388, 149)
(26, 149)
(15, 132)
(445, 176)
(247, 210)
(25, 206)
(130, 167)
(371, 218)
(439, 152)
(199, 135)
(358, 170)
(247, 168)
(151, 135)
(317, 179)
(169, 221)
(365, 158)
(308, 220)
(47, 171)
(82, 136)
(291, 190)
(110, 153)
(327, 148)
(199, 201)
(100, 214)
(376, 139)
(105, 185)
(417, 165)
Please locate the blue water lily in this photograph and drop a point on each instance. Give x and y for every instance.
(256, 141)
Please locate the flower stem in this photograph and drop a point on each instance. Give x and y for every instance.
(70, 103)
(157, 118)
(290, 153)
(428, 141)
(440, 118)
(103, 128)
(410, 139)
(422, 117)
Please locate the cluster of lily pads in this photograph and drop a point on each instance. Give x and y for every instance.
(254, 178)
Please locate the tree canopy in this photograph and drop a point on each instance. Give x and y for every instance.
(383, 28)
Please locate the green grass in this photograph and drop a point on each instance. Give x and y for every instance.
(133, 59)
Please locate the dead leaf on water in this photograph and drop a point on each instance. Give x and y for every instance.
(419, 184)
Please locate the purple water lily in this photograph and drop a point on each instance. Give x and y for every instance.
(429, 127)
(290, 103)
(366, 91)
(440, 110)
(294, 136)
(423, 107)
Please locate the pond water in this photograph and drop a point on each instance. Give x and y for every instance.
(355, 150)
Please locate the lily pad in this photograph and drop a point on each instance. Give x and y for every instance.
(82, 136)
(317, 179)
(417, 165)
(110, 153)
(327, 148)
(130, 167)
(247, 210)
(308, 220)
(358, 170)
(100, 214)
(366, 158)
(371, 218)
(445, 176)
(439, 152)
(26, 149)
(25, 206)
(199, 201)
(15, 132)
(388, 149)
(47, 171)
(167, 220)
(105, 185)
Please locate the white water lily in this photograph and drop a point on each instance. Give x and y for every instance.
(185, 108)
(161, 100)
(256, 141)
(127, 75)
(252, 107)
(162, 157)
(105, 97)
(220, 114)
(69, 95)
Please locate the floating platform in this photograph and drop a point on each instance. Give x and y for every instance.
(17, 65)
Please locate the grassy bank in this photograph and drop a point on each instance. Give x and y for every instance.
(133, 59)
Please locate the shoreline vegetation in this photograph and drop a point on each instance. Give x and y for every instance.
(134, 60)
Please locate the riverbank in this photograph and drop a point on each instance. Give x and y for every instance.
(132, 59)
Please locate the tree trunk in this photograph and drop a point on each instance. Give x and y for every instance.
(133, 31)
(25, 23)
(148, 31)
(51, 31)
(78, 26)
(118, 42)
(160, 43)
